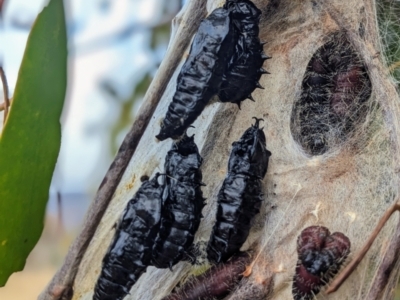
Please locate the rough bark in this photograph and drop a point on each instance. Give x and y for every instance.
(345, 190)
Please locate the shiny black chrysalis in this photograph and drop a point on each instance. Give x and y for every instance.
(240, 197)
(183, 202)
(130, 252)
(225, 58)
(245, 66)
(201, 74)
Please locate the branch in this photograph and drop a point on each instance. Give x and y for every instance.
(343, 275)
(61, 285)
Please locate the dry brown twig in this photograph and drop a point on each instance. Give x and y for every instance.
(387, 273)
(4, 106)
(61, 285)
(346, 272)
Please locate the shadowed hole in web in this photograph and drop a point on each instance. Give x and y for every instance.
(333, 101)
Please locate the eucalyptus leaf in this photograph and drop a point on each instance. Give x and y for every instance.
(31, 138)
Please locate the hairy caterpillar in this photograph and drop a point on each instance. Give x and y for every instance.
(334, 89)
(240, 197)
(201, 74)
(245, 66)
(130, 252)
(320, 256)
(182, 204)
(216, 282)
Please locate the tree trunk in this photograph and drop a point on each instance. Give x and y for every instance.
(346, 189)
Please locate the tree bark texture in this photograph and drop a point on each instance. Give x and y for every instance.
(346, 189)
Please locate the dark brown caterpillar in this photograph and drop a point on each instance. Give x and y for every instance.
(240, 197)
(201, 75)
(216, 283)
(130, 252)
(183, 202)
(245, 66)
(335, 89)
(320, 256)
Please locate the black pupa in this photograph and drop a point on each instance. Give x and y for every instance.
(201, 75)
(182, 204)
(245, 66)
(130, 251)
(240, 197)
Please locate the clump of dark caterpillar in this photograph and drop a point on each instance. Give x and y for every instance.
(216, 283)
(130, 252)
(335, 89)
(239, 199)
(201, 74)
(245, 66)
(320, 256)
(158, 225)
(183, 202)
(225, 58)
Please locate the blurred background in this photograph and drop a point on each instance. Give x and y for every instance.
(115, 48)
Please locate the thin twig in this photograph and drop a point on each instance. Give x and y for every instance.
(2, 106)
(389, 264)
(6, 103)
(61, 285)
(1, 8)
(346, 272)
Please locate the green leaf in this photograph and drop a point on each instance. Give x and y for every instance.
(31, 138)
